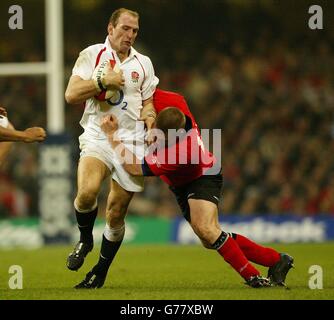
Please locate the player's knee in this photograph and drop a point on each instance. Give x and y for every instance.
(207, 231)
(85, 199)
(203, 231)
(116, 207)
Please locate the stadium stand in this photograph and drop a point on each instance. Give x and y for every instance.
(270, 92)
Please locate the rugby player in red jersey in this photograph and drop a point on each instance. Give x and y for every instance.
(191, 173)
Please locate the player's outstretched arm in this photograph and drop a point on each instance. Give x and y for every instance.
(148, 115)
(35, 134)
(129, 161)
(8, 132)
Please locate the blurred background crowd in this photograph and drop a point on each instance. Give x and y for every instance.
(252, 68)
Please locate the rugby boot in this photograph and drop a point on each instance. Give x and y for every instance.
(258, 282)
(92, 281)
(277, 273)
(77, 257)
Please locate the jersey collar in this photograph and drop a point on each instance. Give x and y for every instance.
(133, 51)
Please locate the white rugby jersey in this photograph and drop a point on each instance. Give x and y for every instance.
(140, 84)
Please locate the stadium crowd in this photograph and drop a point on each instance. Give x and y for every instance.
(273, 100)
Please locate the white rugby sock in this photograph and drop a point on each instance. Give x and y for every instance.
(114, 234)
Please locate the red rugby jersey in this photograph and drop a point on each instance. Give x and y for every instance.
(187, 159)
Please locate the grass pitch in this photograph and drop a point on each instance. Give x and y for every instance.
(159, 272)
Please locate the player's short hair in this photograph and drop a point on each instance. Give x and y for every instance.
(117, 13)
(170, 118)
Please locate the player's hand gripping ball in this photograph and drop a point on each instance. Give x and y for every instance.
(112, 97)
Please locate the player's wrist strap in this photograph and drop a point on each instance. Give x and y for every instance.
(98, 84)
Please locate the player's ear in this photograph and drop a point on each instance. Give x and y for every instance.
(110, 28)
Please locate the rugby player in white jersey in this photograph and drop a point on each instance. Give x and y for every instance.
(136, 83)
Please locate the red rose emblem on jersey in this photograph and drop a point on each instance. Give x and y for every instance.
(134, 76)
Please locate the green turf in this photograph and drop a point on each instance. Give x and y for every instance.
(161, 272)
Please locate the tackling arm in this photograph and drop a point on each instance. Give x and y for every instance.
(129, 161)
(148, 113)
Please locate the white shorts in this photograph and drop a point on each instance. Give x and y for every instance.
(102, 150)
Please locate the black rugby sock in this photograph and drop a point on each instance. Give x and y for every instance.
(85, 224)
(107, 254)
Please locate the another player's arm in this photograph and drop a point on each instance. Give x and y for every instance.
(35, 134)
(131, 164)
(148, 113)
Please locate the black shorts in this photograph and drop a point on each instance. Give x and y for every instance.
(206, 187)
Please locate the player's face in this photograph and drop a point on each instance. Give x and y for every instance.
(124, 34)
